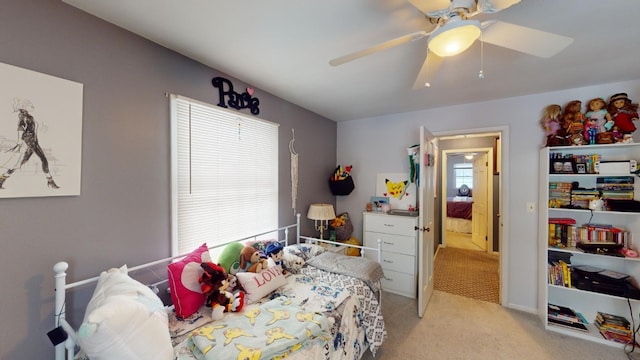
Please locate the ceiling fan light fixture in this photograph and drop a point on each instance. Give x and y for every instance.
(454, 37)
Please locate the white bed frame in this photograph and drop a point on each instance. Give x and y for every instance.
(68, 347)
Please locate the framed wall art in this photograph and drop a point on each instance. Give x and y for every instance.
(40, 134)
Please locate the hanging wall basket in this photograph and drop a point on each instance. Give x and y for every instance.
(342, 187)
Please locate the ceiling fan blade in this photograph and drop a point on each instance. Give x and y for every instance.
(430, 6)
(382, 46)
(493, 6)
(524, 39)
(428, 71)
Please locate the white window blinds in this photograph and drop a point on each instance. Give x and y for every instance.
(224, 175)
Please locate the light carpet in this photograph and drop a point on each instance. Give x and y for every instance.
(456, 327)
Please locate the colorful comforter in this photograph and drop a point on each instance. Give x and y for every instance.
(271, 330)
(349, 308)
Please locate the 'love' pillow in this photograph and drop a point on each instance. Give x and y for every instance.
(259, 285)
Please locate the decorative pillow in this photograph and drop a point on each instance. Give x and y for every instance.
(183, 281)
(229, 259)
(259, 285)
(124, 320)
(305, 251)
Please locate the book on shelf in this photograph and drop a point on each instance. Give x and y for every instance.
(569, 325)
(559, 273)
(602, 233)
(614, 327)
(611, 319)
(566, 317)
(562, 232)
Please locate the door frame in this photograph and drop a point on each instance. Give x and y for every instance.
(445, 179)
(503, 204)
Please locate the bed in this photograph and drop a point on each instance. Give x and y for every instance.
(459, 209)
(325, 305)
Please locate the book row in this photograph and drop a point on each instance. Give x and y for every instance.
(569, 235)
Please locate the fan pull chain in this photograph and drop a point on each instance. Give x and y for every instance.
(428, 84)
(481, 73)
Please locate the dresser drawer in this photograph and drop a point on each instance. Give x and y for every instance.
(398, 262)
(400, 283)
(390, 224)
(391, 243)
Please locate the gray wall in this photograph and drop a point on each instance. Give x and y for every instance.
(123, 213)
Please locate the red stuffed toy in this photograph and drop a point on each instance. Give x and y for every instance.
(214, 284)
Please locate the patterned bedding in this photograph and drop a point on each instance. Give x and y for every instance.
(276, 328)
(351, 320)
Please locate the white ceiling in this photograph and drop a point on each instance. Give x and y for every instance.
(284, 47)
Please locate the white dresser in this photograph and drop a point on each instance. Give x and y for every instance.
(399, 249)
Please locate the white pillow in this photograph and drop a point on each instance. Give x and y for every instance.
(305, 251)
(124, 320)
(259, 285)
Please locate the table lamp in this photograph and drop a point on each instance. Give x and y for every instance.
(321, 214)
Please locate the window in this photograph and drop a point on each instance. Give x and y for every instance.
(463, 173)
(224, 175)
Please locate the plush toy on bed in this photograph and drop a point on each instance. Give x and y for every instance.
(214, 283)
(274, 251)
(251, 261)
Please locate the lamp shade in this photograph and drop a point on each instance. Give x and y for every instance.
(321, 212)
(454, 37)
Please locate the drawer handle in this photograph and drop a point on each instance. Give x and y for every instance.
(389, 225)
(388, 243)
(387, 261)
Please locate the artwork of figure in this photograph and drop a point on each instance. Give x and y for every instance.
(27, 144)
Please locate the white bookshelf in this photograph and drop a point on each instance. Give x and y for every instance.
(587, 303)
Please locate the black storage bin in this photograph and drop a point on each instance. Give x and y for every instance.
(342, 187)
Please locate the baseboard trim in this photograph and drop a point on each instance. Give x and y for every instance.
(526, 309)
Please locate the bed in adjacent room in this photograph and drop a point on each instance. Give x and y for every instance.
(313, 304)
(459, 210)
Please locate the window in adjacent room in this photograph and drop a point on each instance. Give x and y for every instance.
(224, 168)
(463, 173)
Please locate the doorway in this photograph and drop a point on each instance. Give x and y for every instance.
(490, 144)
(467, 199)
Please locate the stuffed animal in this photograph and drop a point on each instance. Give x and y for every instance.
(274, 251)
(214, 283)
(250, 260)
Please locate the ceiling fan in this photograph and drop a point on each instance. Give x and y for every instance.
(455, 32)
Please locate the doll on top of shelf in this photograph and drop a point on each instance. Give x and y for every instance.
(623, 112)
(550, 121)
(573, 122)
(597, 110)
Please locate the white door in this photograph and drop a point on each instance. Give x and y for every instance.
(479, 216)
(426, 194)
